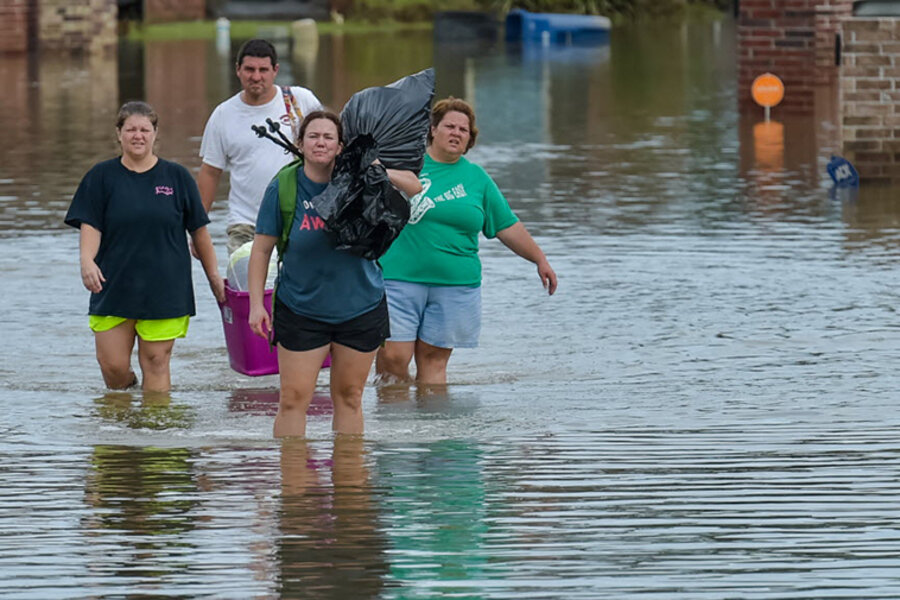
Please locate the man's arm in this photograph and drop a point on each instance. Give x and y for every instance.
(208, 182)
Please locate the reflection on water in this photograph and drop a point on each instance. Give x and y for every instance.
(265, 402)
(254, 401)
(56, 117)
(330, 541)
(145, 495)
(437, 518)
(143, 410)
(705, 409)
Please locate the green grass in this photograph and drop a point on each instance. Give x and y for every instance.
(206, 30)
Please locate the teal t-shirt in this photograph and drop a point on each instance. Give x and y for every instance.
(318, 281)
(439, 245)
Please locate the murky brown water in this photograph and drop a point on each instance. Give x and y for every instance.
(706, 409)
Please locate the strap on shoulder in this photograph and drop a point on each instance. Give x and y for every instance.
(287, 202)
(292, 108)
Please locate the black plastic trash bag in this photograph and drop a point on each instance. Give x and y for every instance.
(361, 209)
(396, 116)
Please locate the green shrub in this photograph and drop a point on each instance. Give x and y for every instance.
(423, 10)
(406, 10)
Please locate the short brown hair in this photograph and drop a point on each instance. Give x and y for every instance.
(451, 104)
(136, 107)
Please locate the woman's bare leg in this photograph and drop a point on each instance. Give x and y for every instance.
(349, 371)
(392, 362)
(299, 371)
(431, 364)
(114, 348)
(154, 358)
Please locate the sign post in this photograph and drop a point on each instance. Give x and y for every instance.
(767, 91)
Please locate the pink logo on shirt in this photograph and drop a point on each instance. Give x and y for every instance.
(165, 190)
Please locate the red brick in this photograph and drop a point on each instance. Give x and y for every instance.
(849, 121)
(763, 13)
(862, 47)
(872, 60)
(872, 157)
(864, 103)
(863, 146)
(873, 84)
(850, 73)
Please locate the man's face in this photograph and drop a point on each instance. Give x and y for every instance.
(257, 76)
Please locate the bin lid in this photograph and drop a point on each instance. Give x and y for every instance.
(876, 8)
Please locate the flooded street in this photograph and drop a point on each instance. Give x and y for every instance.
(705, 409)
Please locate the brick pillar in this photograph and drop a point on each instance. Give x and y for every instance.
(14, 26)
(80, 25)
(869, 95)
(167, 11)
(829, 15)
(794, 39)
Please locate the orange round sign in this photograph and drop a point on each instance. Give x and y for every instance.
(767, 90)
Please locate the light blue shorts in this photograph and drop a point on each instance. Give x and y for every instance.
(447, 316)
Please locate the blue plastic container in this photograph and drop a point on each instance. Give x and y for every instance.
(556, 28)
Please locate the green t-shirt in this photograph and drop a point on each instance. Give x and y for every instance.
(439, 245)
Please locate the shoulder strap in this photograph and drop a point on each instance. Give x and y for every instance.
(287, 202)
(293, 109)
(287, 205)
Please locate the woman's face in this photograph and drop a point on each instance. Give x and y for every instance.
(451, 136)
(137, 137)
(320, 142)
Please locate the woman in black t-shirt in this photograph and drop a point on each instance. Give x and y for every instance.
(133, 212)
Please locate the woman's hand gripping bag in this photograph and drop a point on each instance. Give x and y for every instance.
(361, 209)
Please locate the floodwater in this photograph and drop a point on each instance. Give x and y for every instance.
(705, 409)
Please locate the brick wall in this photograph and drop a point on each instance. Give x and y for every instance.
(869, 95)
(14, 17)
(83, 25)
(794, 39)
(167, 11)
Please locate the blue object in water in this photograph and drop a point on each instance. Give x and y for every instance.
(554, 28)
(842, 172)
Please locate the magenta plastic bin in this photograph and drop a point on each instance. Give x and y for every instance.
(248, 353)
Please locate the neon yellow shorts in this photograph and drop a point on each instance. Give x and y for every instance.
(150, 330)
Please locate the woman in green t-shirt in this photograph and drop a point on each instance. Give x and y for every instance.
(432, 271)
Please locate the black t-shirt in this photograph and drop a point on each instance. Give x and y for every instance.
(142, 218)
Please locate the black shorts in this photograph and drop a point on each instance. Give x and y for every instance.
(364, 333)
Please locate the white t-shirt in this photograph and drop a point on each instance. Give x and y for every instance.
(229, 144)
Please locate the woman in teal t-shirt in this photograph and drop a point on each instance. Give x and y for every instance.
(326, 300)
(432, 271)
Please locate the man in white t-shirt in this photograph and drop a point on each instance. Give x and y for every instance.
(229, 143)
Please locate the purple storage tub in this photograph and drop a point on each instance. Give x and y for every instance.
(248, 353)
